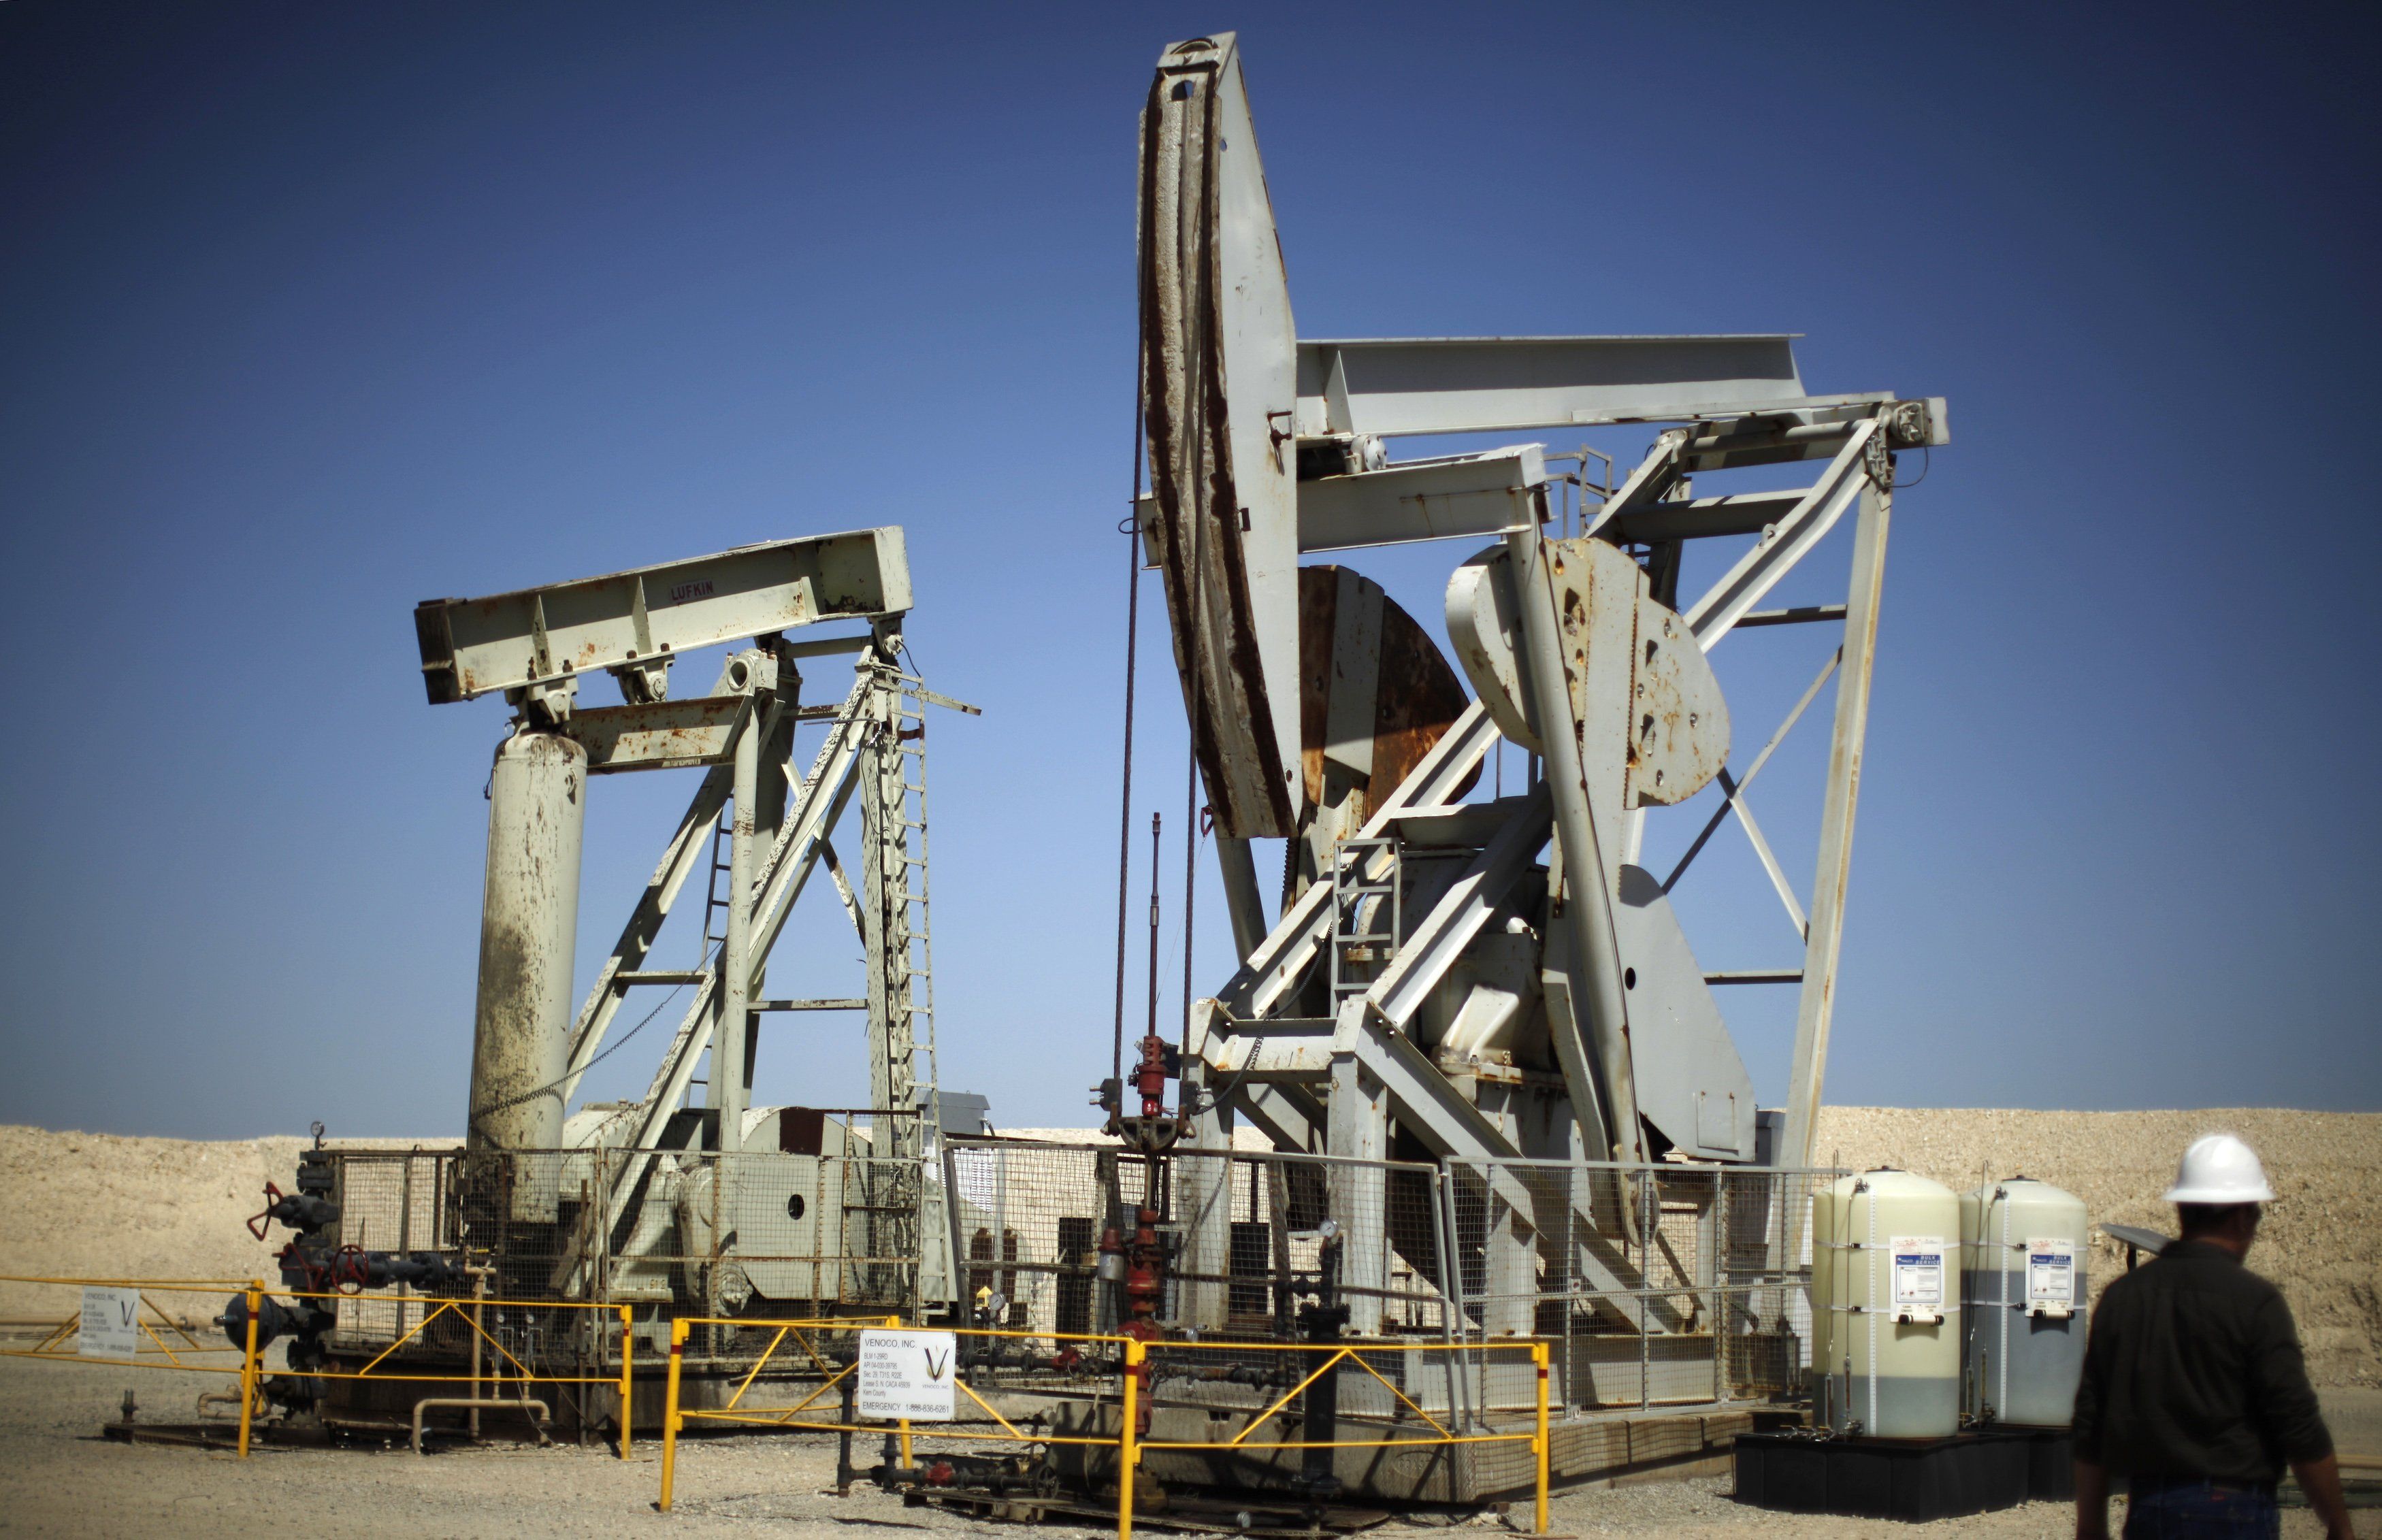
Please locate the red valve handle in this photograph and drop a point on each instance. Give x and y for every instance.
(348, 1271)
(258, 1225)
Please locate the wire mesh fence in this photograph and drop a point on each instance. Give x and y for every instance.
(1657, 1283)
(1244, 1234)
(1654, 1284)
(1660, 1283)
(669, 1233)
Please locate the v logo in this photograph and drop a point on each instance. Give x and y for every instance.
(935, 1366)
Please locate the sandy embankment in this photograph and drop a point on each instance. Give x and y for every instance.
(108, 1205)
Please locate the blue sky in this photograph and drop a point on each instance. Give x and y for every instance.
(307, 313)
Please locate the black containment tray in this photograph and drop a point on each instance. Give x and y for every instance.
(1914, 1479)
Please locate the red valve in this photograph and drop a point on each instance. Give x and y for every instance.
(260, 1223)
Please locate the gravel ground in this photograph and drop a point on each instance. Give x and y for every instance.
(58, 1478)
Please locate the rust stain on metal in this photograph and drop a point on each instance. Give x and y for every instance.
(1188, 420)
(1417, 694)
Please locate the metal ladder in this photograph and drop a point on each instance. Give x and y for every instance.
(910, 741)
(875, 1192)
(715, 903)
(1361, 951)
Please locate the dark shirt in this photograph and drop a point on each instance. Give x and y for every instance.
(2193, 1370)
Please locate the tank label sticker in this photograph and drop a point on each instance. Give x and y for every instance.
(1918, 1272)
(907, 1374)
(2051, 1271)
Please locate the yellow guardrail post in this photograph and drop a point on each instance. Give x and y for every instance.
(248, 1365)
(628, 1381)
(1128, 1456)
(1538, 1357)
(670, 1412)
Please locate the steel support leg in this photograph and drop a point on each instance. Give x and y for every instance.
(1588, 909)
(1827, 927)
(1203, 1197)
(1358, 1120)
(1509, 1302)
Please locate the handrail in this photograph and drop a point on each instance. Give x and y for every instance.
(1129, 1441)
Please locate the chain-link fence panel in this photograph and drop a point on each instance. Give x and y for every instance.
(669, 1233)
(1657, 1283)
(1244, 1236)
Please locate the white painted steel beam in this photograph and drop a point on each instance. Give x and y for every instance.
(1786, 542)
(1456, 496)
(1298, 937)
(731, 1057)
(539, 635)
(1243, 900)
(1761, 844)
(658, 735)
(1427, 1104)
(1646, 485)
(1815, 1009)
(1393, 386)
(1730, 793)
(1288, 1114)
(1701, 518)
(1600, 1003)
(1435, 944)
(825, 793)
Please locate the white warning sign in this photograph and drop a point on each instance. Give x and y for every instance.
(2051, 1271)
(111, 1322)
(1918, 1272)
(907, 1375)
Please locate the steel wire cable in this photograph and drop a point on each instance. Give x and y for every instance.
(1131, 528)
(1203, 307)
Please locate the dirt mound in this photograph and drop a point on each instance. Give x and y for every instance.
(104, 1206)
(2321, 1242)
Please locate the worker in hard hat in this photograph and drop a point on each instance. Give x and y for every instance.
(2195, 1389)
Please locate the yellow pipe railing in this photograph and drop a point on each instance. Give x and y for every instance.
(1136, 1355)
(1129, 1441)
(510, 1371)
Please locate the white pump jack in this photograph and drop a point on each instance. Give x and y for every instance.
(774, 822)
(1539, 999)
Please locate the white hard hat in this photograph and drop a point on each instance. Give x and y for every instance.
(2219, 1168)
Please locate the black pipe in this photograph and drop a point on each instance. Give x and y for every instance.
(1321, 1405)
(845, 1471)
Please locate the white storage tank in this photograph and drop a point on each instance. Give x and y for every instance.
(1885, 1314)
(2022, 1296)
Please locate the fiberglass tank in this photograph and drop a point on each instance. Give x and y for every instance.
(1885, 1348)
(2022, 1298)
